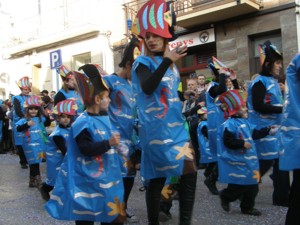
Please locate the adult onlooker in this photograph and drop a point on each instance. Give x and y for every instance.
(290, 136)
(265, 109)
(189, 110)
(192, 85)
(201, 83)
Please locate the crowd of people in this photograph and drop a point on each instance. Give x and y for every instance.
(105, 128)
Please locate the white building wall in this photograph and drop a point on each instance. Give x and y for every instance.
(108, 16)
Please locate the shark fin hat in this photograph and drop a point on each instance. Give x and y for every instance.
(232, 101)
(101, 71)
(64, 72)
(212, 67)
(67, 107)
(215, 64)
(268, 53)
(131, 52)
(24, 83)
(156, 17)
(89, 83)
(33, 101)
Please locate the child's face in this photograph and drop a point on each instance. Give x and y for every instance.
(64, 120)
(33, 111)
(281, 85)
(243, 112)
(104, 102)
(70, 82)
(25, 91)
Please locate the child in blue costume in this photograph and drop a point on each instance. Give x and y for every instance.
(166, 151)
(32, 126)
(290, 137)
(57, 144)
(18, 113)
(214, 114)
(68, 89)
(265, 109)
(89, 186)
(238, 161)
(206, 155)
(121, 113)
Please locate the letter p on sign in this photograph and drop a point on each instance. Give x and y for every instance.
(55, 59)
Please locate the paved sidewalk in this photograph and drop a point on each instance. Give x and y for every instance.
(21, 205)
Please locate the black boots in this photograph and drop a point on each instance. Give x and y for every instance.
(211, 180)
(153, 196)
(35, 181)
(187, 189)
(32, 182)
(45, 191)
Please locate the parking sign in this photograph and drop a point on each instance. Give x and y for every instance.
(55, 59)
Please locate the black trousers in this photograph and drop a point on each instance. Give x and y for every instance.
(293, 213)
(187, 187)
(193, 125)
(247, 194)
(128, 184)
(34, 169)
(21, 154)
(281, 180)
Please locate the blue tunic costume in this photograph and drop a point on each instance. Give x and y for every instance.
(54, 155)
(206, 156)
(88, 188)
(215, 117)
(290, 126)
(164, 140)
(269, 146)
(18, 136)
(122, 116)
(238, 166)
(34, 140)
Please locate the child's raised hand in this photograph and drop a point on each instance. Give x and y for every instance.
(247, 145)
(232, 75)
(225, 71)
(115, 139)
(273, 129)
(30, 123)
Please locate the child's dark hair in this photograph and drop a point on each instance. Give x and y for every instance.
(39, 114)
(267, 67)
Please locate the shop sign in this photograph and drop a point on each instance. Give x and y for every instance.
(194, 39)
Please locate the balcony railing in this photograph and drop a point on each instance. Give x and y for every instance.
(188, 6)
(191, 13)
